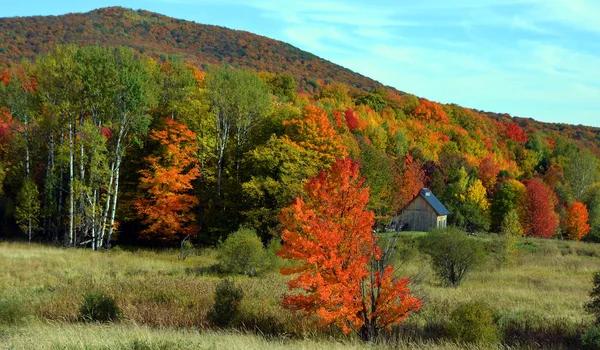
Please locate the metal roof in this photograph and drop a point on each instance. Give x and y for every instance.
(435, 203)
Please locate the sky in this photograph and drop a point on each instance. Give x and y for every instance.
(535, 59)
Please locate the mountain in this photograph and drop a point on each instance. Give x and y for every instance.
(158, 35)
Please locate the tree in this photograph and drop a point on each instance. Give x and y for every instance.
(539, 217)
(27, 210)
(410, 179)
(453, 254)
(576, 221)
(510, 196)
(166, 186)
(238, 99)
(510, 232)
(329, 234)
(581, 172)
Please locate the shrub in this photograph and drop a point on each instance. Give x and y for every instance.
(97, 307)
(226, 309)
(242, 253)
(453, 254)
(591, 338)
(473, 322)
(593, 306)
(12, 312)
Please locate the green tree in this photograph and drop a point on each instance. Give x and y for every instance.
(238, 100)
(581, 172)
(27, 210)
(453, 254)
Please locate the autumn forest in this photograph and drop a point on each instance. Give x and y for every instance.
(179, 136)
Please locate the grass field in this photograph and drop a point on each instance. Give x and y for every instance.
(538, 301)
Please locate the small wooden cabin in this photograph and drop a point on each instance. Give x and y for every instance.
(422, 213)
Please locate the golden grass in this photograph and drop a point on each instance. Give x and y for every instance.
(163, 297)
(131, 336)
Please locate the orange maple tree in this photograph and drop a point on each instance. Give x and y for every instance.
(576, 221)
(410, 179)
(341, 272)
(539, 217)
(166, 188)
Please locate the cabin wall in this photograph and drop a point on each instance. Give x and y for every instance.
(420, 216)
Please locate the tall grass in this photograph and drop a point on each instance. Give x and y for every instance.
(539, 299)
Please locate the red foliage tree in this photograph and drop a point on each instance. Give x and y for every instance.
(166, 187)
(576, 221)
(539, 217)
(488, 172)
(410, 179)
(351, 119)
(329, 232)
(514, 132)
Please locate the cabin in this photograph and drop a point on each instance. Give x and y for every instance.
(422, 213)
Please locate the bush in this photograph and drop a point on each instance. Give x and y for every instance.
(97, 307)
(12, 312)
(473, 322)
(591, 338)
(226, 309)
(453, 254)
(242, 253)
(593, 306)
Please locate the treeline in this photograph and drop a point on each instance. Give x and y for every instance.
(102, 144)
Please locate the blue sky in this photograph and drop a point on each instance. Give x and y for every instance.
(536, 59)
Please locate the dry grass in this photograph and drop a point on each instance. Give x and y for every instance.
(131, 336)
(543, 292)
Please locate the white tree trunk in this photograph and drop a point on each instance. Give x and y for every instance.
(114, 205)
(71, 184)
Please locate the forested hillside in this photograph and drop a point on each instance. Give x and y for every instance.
(156, 35)
(101, 144)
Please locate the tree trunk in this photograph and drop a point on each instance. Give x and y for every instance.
(114, 205)
(71, 184)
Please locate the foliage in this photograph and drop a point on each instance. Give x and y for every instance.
(165, 188)
(27, 211)
(453, 254)
(226, 309)
(591, 338)
(510, 196)
(593, 306)
(473, 322)
(328, 232)
(510, 232)
(98, 307)
(576, 221)
(242, 253)
(539, 217)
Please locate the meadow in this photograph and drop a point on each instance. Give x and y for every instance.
(538, 300)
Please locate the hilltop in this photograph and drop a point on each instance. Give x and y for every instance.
(158, 35)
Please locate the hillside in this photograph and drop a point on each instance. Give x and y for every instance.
(154, 34)
(255, 136)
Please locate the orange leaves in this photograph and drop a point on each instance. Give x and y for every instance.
(430, 112)
(167, 193)
(488, 172)
(540, 219)
(328, 232)
(409, 181)
(576, 221)
(514, 132)
(314, 131)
